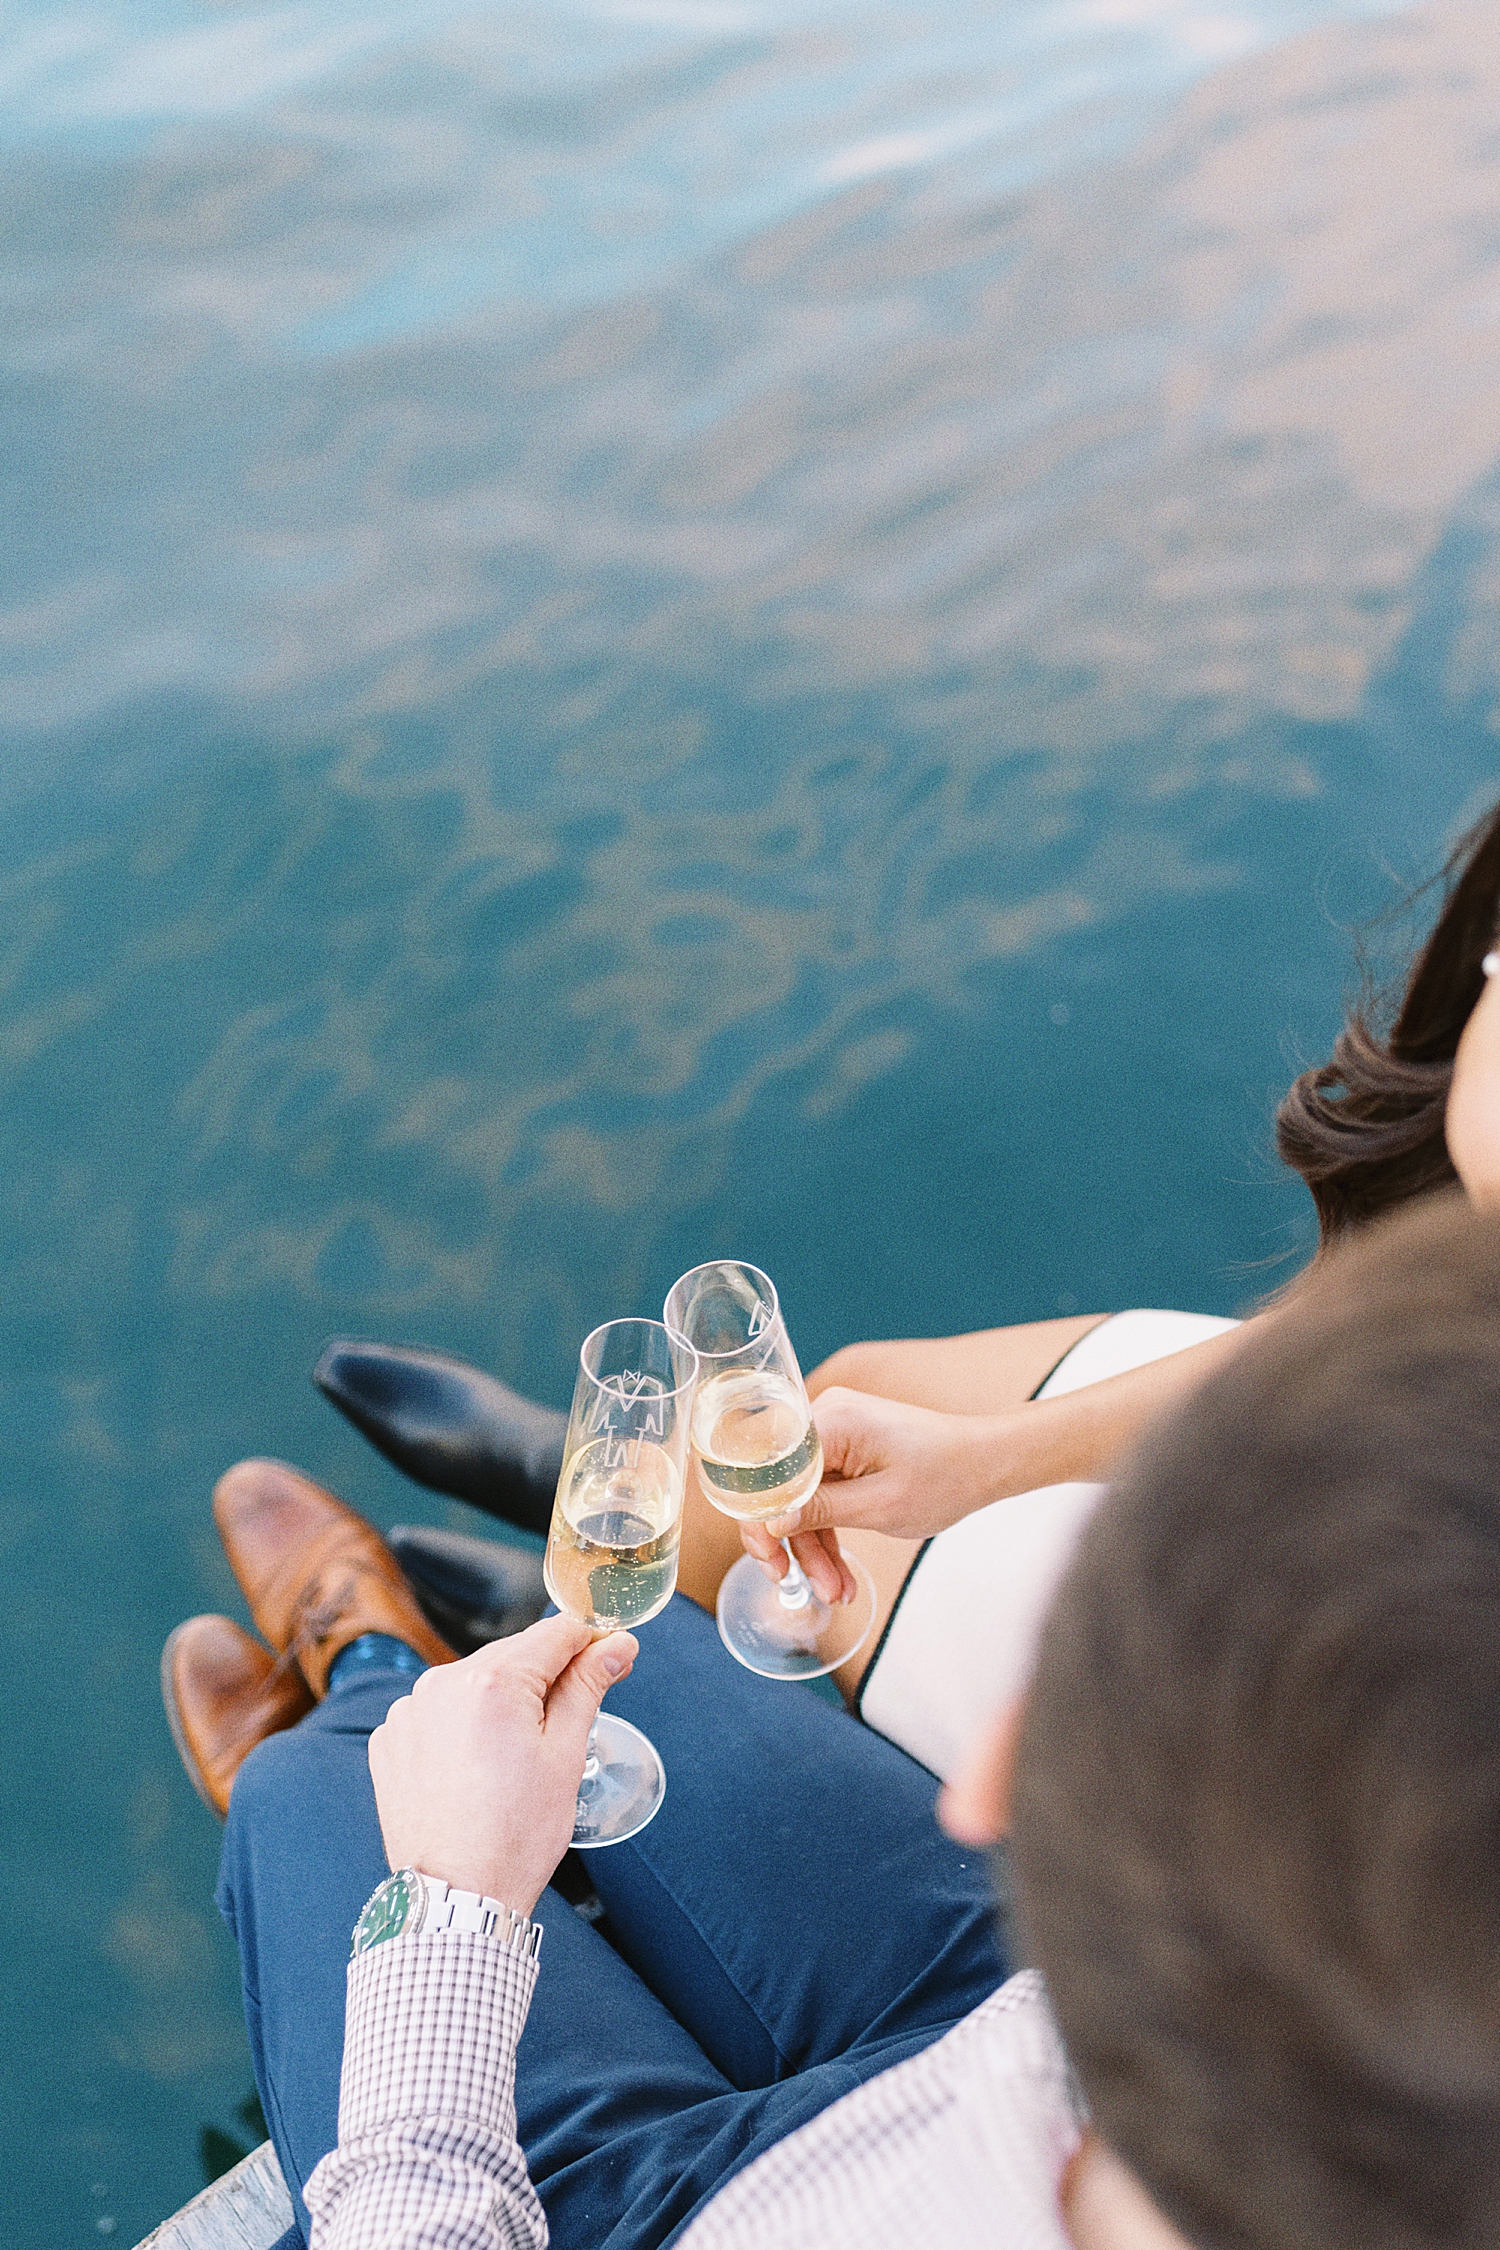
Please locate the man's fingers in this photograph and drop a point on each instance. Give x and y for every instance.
(573, 1705)
(548, 1647)
(385, 1738)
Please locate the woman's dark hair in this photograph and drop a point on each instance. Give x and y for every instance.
(1365, 1130)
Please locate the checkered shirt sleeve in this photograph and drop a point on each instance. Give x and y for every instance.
(427, 2151)
(962, 2146)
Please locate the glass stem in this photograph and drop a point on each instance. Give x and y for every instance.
(590, 1769)
(794, 1592)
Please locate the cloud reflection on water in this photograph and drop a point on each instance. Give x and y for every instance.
(832, 583)
(1175, 432)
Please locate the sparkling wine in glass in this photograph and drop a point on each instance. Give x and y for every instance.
(757, 1454)
(757, 1451)
(611, 1557)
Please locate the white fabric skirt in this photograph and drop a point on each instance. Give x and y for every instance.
(961, 1638)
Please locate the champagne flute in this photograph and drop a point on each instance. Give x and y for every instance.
(611, 1557)
(757, 1454)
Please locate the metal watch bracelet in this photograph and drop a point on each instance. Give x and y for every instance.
(448, 1909)
(409, 1902)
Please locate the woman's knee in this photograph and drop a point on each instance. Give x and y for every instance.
(856, 1366)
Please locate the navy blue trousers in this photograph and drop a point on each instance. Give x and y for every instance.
(791, 1922)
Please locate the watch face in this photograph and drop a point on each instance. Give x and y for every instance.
(387, 1911)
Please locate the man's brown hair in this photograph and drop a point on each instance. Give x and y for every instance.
(1256, 1821)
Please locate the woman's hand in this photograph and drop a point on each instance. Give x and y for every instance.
(909, 1471)
(476, 1772)
(903, 1470)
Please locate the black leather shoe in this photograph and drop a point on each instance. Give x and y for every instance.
(470, 1590)
(449, 1426)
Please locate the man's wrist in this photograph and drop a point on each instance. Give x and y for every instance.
(430, 2030)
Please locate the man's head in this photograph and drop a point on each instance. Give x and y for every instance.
(1256, 1803)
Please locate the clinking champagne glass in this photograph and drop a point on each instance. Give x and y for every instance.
(757, 1454)
(611, 1557)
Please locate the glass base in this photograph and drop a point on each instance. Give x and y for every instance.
(623, 1785)
(791, 1640)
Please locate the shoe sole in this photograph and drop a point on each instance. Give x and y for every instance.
(190, 1764)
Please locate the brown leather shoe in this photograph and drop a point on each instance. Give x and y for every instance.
(224, 1693)
(315, 1574)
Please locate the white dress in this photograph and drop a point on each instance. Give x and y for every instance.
(961, 1638)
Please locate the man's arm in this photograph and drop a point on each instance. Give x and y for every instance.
(476, 1776)
(427, 2150)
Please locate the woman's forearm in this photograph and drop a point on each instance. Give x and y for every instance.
(910, 1471)
(1082, 1436)
(985, 1371)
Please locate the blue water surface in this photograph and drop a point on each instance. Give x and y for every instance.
(637, 630)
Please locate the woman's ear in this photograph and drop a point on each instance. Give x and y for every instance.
(974, 1807)
(1472, 1123)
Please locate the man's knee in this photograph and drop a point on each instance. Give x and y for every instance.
(309, 1780)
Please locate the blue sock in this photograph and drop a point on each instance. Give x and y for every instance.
(372, 1652)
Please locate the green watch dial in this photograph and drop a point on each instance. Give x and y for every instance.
(387, 1910)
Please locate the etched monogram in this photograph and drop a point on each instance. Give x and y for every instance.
(643, 1398)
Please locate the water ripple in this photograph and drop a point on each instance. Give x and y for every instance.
(633, 628)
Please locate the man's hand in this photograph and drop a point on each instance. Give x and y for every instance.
(903, 1470)
(476, 1772)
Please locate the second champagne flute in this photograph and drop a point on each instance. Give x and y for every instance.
(757, 1454)
(611, 1557)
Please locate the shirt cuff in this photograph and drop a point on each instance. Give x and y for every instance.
(430, 2030)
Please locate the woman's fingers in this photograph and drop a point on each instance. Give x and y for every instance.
(762, 1548)
(820, 1557)
(847, 1503)
(817, 1552)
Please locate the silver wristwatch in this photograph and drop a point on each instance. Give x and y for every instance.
(407, 1904)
